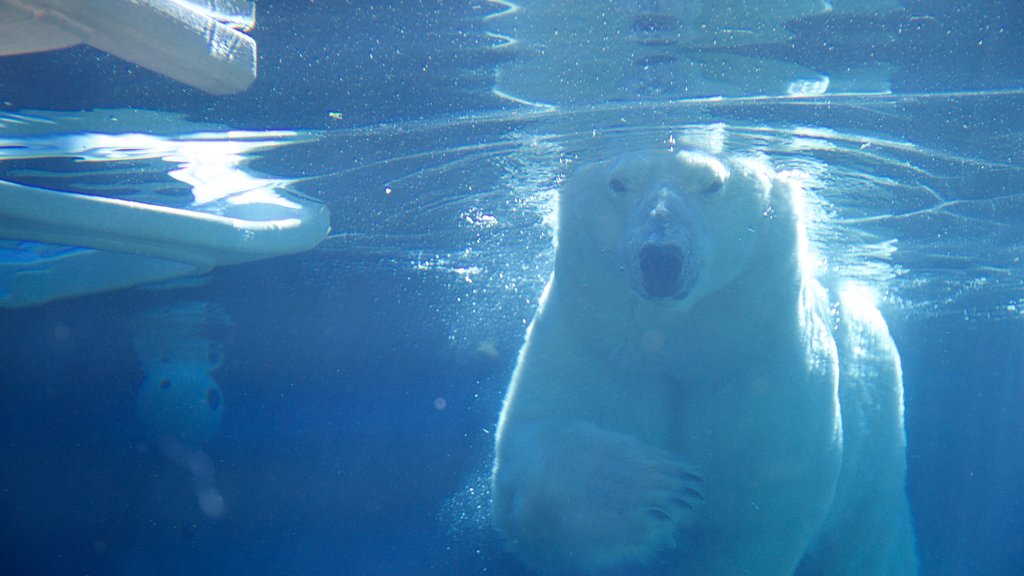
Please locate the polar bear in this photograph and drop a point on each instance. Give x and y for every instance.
(690, 397)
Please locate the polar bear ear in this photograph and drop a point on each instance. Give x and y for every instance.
(699, 159)
(786, 198)
(786, 230)
(755, 169)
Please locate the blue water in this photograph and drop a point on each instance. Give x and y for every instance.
(362, 380)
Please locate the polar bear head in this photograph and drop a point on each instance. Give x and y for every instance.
(670, 227)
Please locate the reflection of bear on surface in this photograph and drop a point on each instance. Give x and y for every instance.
(678, 396)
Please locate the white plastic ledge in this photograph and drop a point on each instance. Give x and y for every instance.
(136, 243)
(196, 238)
(179, 39)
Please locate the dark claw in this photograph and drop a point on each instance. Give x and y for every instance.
(685, 503)
(694, 475)
(695, 493)
(658, 513)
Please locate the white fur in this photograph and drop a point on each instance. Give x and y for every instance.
(624, 407)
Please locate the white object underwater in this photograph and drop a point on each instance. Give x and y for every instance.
(206, 211)
(201, 240)
(198, 42)
(178, 349)
(179, 405)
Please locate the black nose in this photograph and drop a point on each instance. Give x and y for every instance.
(661, 267)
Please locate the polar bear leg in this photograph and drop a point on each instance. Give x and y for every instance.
(869, 531)
(571, 496)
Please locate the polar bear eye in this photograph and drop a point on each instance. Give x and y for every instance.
(712, 188)
(618, 186)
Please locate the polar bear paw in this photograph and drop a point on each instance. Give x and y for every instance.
(603, 499)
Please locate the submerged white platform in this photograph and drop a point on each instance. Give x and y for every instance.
(84, 210)
(110, 243)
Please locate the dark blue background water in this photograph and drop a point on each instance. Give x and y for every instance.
(333, 457)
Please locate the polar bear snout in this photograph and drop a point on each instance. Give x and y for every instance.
(663, 245)
(661, 270)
